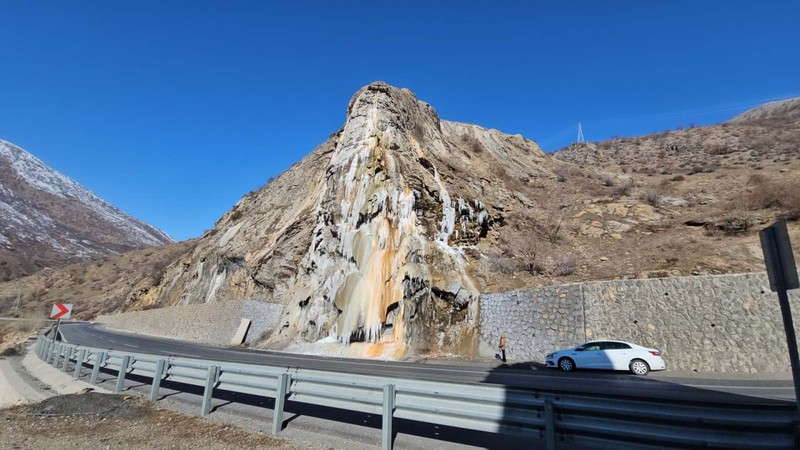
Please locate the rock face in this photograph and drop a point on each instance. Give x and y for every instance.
(48, 219)
(370, 239)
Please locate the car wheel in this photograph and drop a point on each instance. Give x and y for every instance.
(639, 367)
(566, 364)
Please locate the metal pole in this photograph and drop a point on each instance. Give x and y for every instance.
(211, 380)
(123, 368)
(79, 363)
(99, 359)
(280, 401)
(54, 354)
(157, 375)
(791, 340)
(388, 411)
(55, 332)
(549, 424)
(67, 356)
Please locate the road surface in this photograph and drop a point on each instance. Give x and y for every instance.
(519, 375)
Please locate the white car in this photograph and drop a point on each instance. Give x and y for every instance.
(608, 355)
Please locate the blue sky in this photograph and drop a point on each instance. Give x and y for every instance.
(174, 110)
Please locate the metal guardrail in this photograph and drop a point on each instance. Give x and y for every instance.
(546, 419)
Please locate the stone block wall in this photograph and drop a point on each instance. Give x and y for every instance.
(725, 323)
(213, 323)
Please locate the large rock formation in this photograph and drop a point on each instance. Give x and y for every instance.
(371, 238)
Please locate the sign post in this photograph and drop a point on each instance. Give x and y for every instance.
(782, 273)
(60, 311)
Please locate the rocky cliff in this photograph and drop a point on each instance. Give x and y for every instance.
(372, 238)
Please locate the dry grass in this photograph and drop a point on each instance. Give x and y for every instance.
(98, 287)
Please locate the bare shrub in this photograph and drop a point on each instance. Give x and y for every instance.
(651, 197)
(678, 178)
(782, 195)
(607, 181)
(503, 264)
(622, 190)
(564, 265)
(554, 216)
(532, 257)
(472, 143)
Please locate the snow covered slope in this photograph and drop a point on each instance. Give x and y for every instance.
(48, 219)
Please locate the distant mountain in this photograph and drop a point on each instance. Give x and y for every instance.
(48, 219)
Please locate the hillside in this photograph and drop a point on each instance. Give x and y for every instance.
(773, 112)
(388, 232)
(49, 220)
(711, 188)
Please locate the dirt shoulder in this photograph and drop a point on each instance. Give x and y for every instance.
(101, 421)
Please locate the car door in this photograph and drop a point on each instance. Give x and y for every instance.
(615, 355)
(590, 356)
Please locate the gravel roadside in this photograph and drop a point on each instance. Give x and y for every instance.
(102, 421)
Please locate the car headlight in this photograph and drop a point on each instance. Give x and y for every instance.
(550, 355)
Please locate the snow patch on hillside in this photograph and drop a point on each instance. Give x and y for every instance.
(34, 172)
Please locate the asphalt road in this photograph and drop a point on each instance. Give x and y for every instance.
(517, 375)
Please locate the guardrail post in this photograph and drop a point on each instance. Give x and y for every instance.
(280, 401)
(99, 359)
(56, 355)
(67, 356)
(123, 368)
(79, 363)
(549, 424)
(42, 347)
(157, 375)
(211, 380)
(388, 412)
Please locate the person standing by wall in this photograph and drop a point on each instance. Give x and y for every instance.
(503, 347)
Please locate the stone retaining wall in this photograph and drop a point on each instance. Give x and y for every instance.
(213, 323)
(725, 323)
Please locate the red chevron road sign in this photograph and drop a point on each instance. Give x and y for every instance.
(61, 311)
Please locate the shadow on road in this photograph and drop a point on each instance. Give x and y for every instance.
(596, 408)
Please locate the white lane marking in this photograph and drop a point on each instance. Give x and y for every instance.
(735, 387)
(131, 346)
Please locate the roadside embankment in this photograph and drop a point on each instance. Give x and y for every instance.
(212, 323)
(714, 323)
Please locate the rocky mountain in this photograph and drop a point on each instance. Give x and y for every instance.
(49, 220)
(374, 237)
(385, 235)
